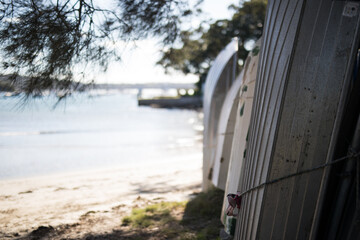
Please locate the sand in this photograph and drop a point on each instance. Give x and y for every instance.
(92, 201)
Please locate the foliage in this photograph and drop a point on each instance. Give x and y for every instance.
(201, 46)
(46, 45)
(49, 42)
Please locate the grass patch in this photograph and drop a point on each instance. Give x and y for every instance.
(203, 214)
(197, 219)
(206, 205)
(152, 215)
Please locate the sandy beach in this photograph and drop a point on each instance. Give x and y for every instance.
(94, 201)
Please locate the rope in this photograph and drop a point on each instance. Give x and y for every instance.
(350, 156)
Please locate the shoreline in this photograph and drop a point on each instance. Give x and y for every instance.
(119, 167)
(109, 193)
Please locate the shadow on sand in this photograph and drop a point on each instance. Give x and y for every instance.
(196, 219)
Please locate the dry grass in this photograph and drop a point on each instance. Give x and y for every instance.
(196, 219)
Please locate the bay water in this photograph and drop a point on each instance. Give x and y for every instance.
(87, 132)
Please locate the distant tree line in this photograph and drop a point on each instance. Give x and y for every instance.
(200, 47)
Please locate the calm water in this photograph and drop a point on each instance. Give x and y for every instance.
(90, 132)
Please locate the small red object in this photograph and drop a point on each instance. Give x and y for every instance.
(234, 202)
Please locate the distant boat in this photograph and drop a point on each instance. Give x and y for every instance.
(191, 102)
(11, 94)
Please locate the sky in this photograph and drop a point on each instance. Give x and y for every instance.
(138, 64)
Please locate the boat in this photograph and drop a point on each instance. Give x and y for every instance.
(235, 116)
(218, 82)
(237, 152)
(305, 129)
